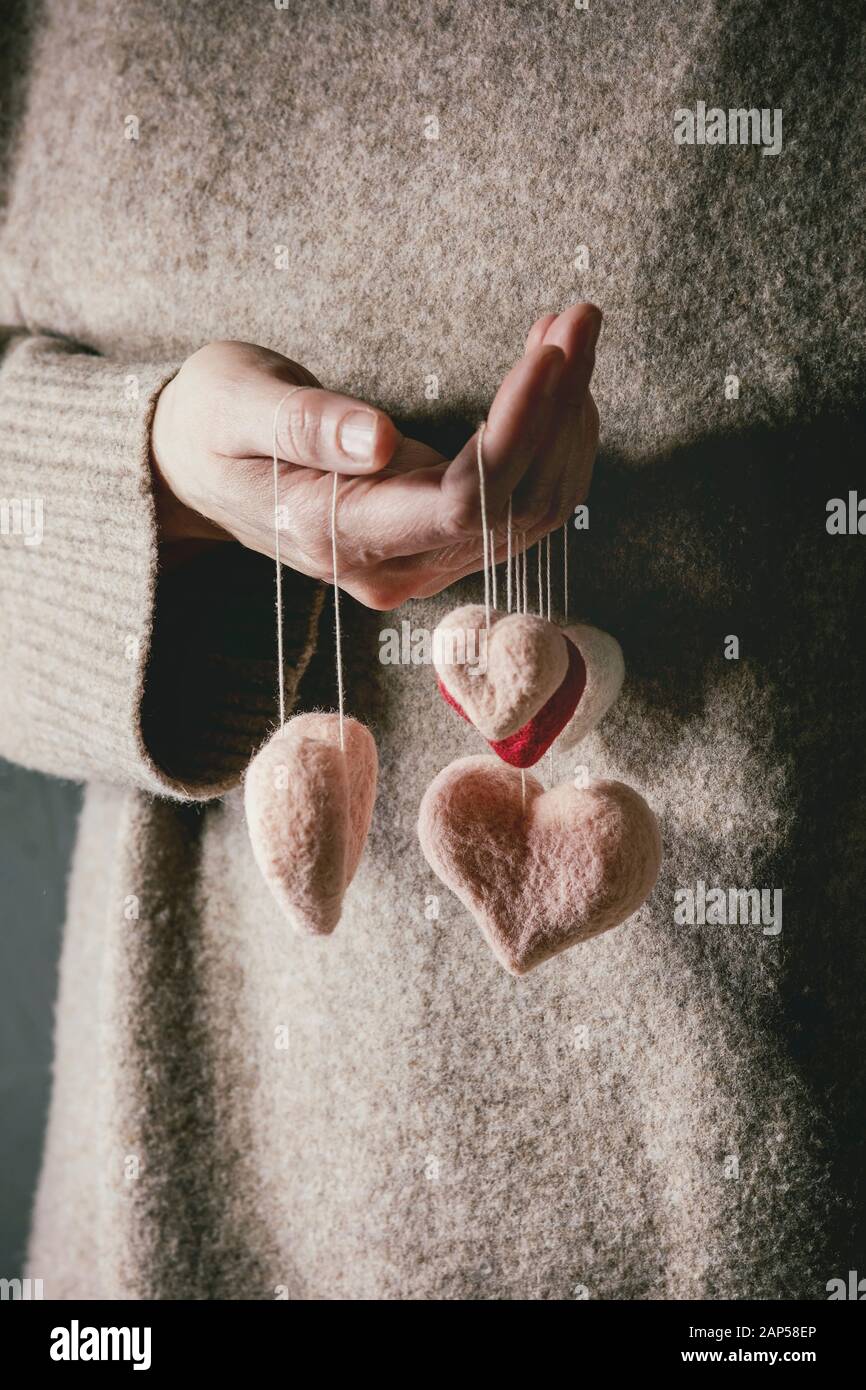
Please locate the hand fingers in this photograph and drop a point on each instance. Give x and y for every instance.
(407, 505)
(410, 455)
(575, 481)
(408, 513)
(403, 577)
(315, 428)
(377, 516)
(537, 332)
(376, 574)
(575, 331)
(424, 511)
(580, 326)
(516, 426)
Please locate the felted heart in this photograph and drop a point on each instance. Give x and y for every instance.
(308, 805)
(604, 673)
(519, 685)
(538, 880)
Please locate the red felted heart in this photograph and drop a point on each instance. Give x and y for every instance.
(525, 747)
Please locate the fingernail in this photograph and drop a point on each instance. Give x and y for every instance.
(552, 372)
(357, 430)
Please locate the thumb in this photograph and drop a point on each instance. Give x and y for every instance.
(312, 427)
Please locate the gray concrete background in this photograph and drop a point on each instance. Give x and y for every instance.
(37, 826)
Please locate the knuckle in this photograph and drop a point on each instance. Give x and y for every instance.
(302, 426)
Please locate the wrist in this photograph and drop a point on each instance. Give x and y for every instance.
(177, 521)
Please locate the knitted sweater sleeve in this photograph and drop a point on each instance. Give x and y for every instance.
(110, 668)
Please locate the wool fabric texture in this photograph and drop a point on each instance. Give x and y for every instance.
(436, 1129)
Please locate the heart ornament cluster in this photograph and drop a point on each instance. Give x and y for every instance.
(540, 871)
(522, 681)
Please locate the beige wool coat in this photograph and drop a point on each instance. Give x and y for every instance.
(670, 1111)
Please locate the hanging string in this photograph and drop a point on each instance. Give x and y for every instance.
(489, 558)
(518, 573)
(565, 570)
(337, 633)
(485, 539)
(281, 678)
(493, 569)
(549, 600)
(525, 552)
(549, 619)
(540, 589)
(564, 597)
(508, 561)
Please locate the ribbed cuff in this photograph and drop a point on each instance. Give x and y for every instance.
(110, 672)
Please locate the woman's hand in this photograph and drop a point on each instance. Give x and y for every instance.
(408, 520)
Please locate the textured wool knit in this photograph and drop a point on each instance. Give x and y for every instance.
(391, 193)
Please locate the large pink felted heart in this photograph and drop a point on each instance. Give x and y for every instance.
(605, 670)
(518, 684)
(308, 805)
(570, 865)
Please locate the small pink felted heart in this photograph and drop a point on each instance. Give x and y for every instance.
(308, 805)
(605, 671)
(571, 864)
(518, 684)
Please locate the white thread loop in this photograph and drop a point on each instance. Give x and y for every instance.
(565, 570)
(281, 678)
(484, 534)
(549, 598)
(508, 561)
(337, 633)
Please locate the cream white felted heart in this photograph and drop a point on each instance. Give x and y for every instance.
(605, 671)
(308, 806)
(571, 864)
(518, 684)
